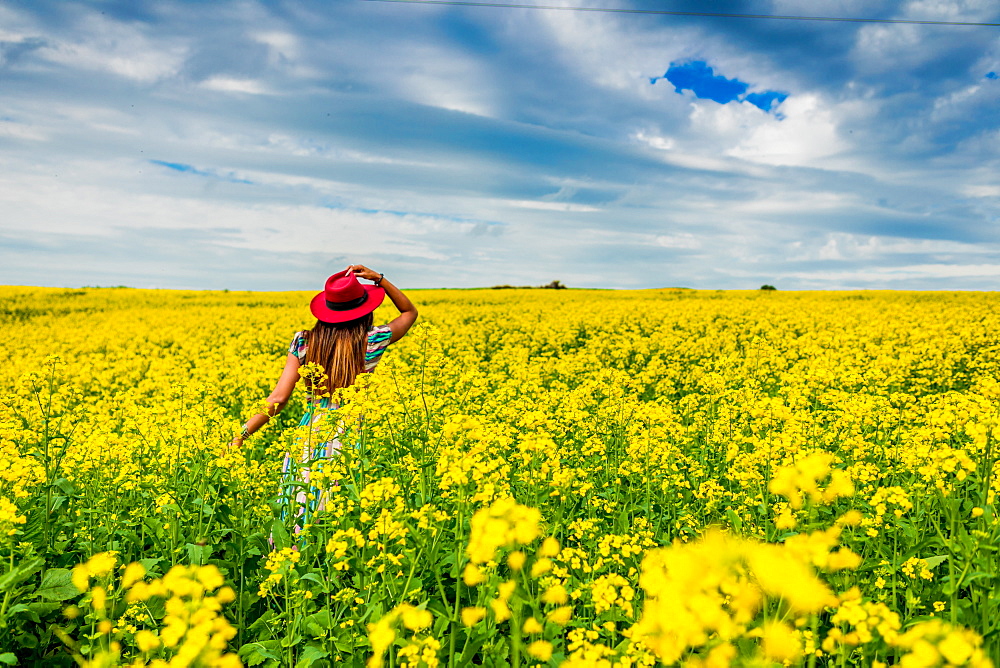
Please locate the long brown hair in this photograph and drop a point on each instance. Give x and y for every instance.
(339, 348)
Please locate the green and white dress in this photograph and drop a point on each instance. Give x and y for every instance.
(299, 496)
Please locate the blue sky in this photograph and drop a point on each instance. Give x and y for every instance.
(264, 145)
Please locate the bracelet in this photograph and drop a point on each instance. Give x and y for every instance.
(379, 281)
(245, 434)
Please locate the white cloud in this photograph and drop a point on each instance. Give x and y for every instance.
(119, 48)
(234, 85)
(282, 44)
(551, 206)
(437, 75)
(950, 10)
(103, 211)
(897, 274)
(857, 247)
(830, 251)
(981, 190)
(879, 47)
(17, 130)
(698, 156)
(685, 240)
(655, 141)
(788, 201)
(574, 166)
(806, 135)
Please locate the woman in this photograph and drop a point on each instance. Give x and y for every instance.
(343, 343)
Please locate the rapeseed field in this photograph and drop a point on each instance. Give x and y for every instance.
(531, 477)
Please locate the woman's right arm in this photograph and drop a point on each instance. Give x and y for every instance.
(401, 324)
(279, 396)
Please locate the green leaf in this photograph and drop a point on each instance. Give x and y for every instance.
(150, 565)
(345, 645)
(8, 658)
(254, 654)
(935, 560)
(280, 535)
(22, 607)
(57, 585)
(268, 649)
(318, 623)
(43, 609)
(198, 555)
(734, 520)
(310, 655)
(318, 579)
(20, 573)
(34, 525)
(65, 486)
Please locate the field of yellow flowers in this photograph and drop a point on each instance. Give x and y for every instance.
(531, 477)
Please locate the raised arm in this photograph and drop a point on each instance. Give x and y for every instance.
(401, 324)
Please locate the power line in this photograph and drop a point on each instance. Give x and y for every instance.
(662, 12)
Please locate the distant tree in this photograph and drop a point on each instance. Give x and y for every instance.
(555, 285)
(768, 287)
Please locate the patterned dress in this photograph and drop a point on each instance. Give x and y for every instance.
(299, 496)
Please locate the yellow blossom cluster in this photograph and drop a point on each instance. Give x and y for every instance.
(191, 630)
(9, 517)
(578, 477)
(801, 482)
(419, 650)
(708, 593)
(937, 643)
(504, 523)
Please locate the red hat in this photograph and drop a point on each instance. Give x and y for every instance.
(345, 299)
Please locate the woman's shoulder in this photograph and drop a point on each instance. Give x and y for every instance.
(379, 334)
(300, 342)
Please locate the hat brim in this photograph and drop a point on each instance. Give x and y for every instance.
(318, 306)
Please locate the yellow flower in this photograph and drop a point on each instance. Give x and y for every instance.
(81, 577)
(504, 523)
(541, 566)
(516, 560)
(472, 616)
(781, 643)
(556, 594)
(541, 650)
(501, 611)
(549, 548)
(133, 573)
(416, 619)
(380, 635)
(146, 641)
(532, 626)
(955, 648)
(560, 615)
(506, 589)
(472, 575)
(851, 518)
(99, 565)
(785, 519)
(98, 598)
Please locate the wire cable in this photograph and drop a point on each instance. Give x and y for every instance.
(662, 12)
